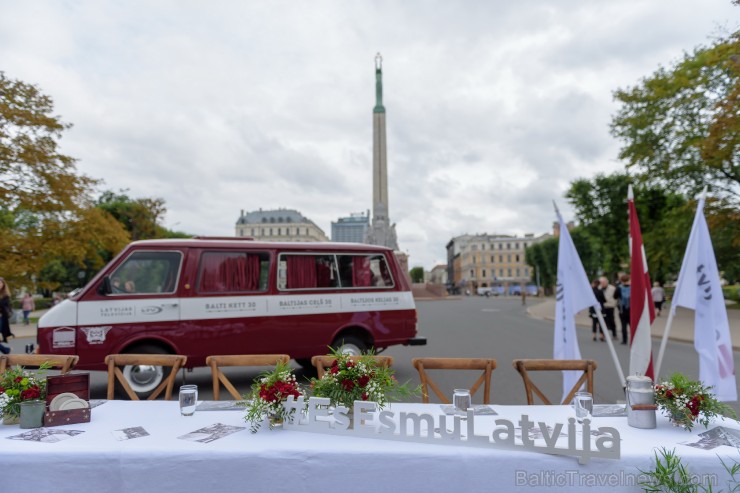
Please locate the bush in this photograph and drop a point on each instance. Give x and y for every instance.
(41, 303)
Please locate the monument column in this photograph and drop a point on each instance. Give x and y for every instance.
(380, 232)
(380, 152)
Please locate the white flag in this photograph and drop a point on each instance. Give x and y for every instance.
(698, 288)
(573, 294)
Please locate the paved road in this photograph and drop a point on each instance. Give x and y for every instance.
(497, 328)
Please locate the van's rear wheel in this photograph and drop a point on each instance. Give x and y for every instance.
(354, 346)
(144, 379)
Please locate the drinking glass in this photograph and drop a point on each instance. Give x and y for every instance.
(583, 402)
(461, 399)
(188, 399)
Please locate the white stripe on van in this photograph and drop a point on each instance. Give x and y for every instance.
(120, 311)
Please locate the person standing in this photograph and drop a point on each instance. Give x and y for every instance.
(27, 305)
(610, 303)
(658, 297)
(595, 326)
(6, 310)
(624, 306)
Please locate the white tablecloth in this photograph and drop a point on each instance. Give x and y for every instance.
(293, 461)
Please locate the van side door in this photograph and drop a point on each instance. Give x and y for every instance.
(143, 303)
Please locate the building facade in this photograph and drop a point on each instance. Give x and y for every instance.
(352, 229)
(483, 261)
(278, 225)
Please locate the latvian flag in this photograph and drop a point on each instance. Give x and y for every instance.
(642, 311)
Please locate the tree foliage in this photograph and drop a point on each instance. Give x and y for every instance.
(665, 221)
(46, 212)
(681, 125)
(140, 217)
(417, 274)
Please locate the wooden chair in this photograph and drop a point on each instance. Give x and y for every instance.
(175, 361)
(216, 362)
(424, 364)
(523, 366)
(62, 362)
(323, 362)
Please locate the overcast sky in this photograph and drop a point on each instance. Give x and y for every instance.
(493, 107)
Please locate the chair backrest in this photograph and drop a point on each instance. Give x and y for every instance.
(587, 366)
(323, 362)
(62, 362)
(423, 364)
(114, 361)
(215, 362)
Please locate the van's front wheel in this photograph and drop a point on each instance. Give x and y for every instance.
(354, 346)
(144, 379)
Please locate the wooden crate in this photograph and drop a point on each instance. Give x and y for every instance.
(76, 383)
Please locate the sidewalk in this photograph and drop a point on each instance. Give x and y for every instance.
(21, 331)
(682, 328)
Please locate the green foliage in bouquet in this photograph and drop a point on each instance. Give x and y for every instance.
(363, 379)
(269, 391)
(688, 401)
(17, 385)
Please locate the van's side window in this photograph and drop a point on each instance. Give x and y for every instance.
(307, 272)
(146, 272)
(364, 271)
(221, 272)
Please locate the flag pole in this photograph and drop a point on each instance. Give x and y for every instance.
(664, 342)
(609, 343)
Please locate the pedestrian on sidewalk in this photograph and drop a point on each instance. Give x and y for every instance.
(658, 297)
(6, 310)
(27, 305)
(595, 325)
(624, 305)
(610, 303)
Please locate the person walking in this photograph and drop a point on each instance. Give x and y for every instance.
(595, 326)
(624, 306)
(610, 303)
(658, 297)
(6, 310)
(27, 305)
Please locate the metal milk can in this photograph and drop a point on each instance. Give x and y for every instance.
(640, 402)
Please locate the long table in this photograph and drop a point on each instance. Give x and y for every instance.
(295, 461)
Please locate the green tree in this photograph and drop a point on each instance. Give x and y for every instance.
(680, 127)
(417, 274)
(46, 210)
(140, 217)
(665, 221)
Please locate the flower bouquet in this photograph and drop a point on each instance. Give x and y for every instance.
(18, 385)
(269, 391)
(688, 401)
(363, 379)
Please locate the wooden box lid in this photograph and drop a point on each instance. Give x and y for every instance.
(76, 383)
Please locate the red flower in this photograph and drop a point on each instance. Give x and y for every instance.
(364, 396)
(363, 380)
(31, 393)
(334, 370)
(18, 379)
(694, 405)
(2, 390)
(668, 394)
(334, 364)
(348, 384)
(350, 364)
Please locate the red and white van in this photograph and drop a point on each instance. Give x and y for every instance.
(201, 297)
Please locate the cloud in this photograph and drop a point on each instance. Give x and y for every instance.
(492, 109)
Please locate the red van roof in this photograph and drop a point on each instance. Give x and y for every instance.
(223, 242)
